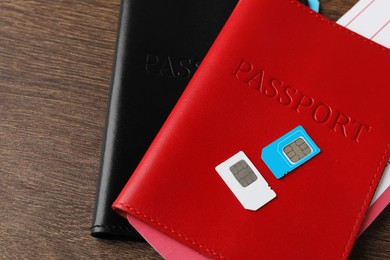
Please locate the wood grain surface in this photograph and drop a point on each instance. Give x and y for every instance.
(55, 68)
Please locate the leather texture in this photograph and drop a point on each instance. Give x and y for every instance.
(160, 45)
(274, 66)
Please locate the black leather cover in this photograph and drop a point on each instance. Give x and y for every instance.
(160, 45)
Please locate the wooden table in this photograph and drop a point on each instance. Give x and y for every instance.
(55, 68)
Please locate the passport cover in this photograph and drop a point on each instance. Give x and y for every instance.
(160, 45)
(275, 65)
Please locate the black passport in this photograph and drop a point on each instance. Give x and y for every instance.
(160, 45)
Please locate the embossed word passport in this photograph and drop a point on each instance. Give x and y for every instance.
(260, 90)
(160, 45)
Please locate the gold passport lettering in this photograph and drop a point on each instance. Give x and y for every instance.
(292, 97)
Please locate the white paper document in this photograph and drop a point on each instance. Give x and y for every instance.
(371, 19)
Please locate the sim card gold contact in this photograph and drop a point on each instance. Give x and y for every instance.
(245, 181)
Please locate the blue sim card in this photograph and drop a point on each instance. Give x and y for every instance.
(289, 152)
(315, 5)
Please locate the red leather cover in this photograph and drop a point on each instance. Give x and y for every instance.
(274, 66)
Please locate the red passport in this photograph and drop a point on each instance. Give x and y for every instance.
(276, 66)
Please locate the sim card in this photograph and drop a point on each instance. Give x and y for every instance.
(245, 181)
(289, 152)
(314, 5)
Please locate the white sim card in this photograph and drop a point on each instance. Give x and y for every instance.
(245, 181)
